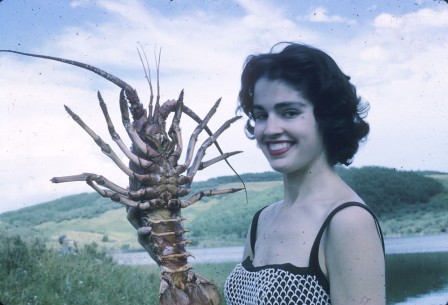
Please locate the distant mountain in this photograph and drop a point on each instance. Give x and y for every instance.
(406, 202)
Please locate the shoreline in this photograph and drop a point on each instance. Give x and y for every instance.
(393, 245)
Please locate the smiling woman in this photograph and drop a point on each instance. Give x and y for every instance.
(321, 244)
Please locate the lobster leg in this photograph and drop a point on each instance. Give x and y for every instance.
(93, 180)
(106, 149)
(100, 180)
(116, 137)
(199, 195)
(224, 156)
(174, 131)
(201, 151)
(194, 138)
(146, 193)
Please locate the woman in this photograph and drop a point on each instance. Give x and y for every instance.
(321, 244)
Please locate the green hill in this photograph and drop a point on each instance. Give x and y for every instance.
(407, 203)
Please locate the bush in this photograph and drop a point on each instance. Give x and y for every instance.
(32, 274)
(388, 190)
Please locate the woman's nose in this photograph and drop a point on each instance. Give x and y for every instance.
(273, 126)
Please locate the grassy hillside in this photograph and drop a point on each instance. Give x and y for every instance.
(407, 203)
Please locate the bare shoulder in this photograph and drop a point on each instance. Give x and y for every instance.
(352, 217)
(268, 210)
(354, 257)
(351, 229)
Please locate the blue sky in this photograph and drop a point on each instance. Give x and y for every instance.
(395, 52)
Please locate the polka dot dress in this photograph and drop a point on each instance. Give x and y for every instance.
(273, 286)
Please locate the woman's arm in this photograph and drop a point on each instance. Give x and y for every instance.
(354, 259)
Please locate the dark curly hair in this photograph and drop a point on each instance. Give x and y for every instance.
(338, 110)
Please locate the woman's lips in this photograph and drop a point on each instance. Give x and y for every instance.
(278, 148)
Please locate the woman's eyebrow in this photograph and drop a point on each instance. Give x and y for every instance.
(289, 104)
(282, 105)
(294, 103)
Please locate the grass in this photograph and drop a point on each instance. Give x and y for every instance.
(33, 274)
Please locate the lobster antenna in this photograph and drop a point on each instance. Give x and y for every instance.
(147, 71)
(157, 106)
(233, 170)
(120, 83)
(158, 71)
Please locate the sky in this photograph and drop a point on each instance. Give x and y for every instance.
(394, 51)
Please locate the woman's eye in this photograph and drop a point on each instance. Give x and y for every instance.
(260, 116)
(291, 113)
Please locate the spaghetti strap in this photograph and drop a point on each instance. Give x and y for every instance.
(253, 229)
(314, 250)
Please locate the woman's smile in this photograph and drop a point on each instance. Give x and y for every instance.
(277, 148)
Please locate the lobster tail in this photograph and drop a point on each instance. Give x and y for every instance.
(197, 292)
(180, 284)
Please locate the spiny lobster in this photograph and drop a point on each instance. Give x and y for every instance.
(156, 182)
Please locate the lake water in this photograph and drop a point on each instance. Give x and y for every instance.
(417, 267)
(417, 270)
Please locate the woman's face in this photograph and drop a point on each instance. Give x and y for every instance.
(285, 127)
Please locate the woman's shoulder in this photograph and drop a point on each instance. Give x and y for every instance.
(351, 213)
(353, 224)
(353, 254)
(269, 209)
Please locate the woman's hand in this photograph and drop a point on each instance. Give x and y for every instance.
(143, 232)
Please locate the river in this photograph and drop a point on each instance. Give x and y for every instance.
(417, 267)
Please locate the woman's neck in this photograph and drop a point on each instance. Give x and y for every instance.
(321, 182)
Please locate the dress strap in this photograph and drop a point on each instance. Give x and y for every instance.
(253, 229)
(314, 260)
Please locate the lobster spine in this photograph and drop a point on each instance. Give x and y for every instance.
(178, 278)
(167, 239)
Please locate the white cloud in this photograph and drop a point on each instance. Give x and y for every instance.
(320, 14)
(415, 21)
(373, 53)
(79, 3)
